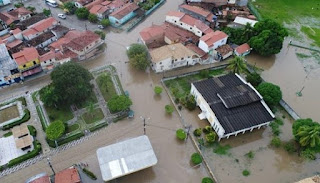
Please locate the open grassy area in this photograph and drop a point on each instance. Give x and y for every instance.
(63, 114)
(95, 116)
(312, 33)
(91, 99)
(72, 128)
(106, 86)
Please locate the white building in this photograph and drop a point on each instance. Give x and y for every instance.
(231, 105)
(172, 56)
(212, 41)
(244, 21)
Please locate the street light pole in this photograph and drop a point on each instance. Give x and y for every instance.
(50, 165)
(144, 124)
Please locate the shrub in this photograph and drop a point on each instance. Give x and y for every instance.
(8, 134)
(197, 132)
(189, 102)
(82, 13)
(246, 173)
(211, 137)
(222, 150)
(290, 146)
(157, 90)
(278, 121)
(204, 73)
(207, 180)
(181, 134)
(308, 154)
(207, 129)
(90, 174)
(271, 93)
(105, 22)
(33, 153)
(276, 142)
(25, 118)
(101, 34)
(93, 18)
(250, 155)
(119, 103)
(46, 12)
(55, 130)
(18, 5)
(254, 78)
(275, 128)
(169, 109)
(32, 130)
(196, 158)
(97, 127)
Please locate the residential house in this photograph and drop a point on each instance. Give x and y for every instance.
(105, 8)
(23, 25)
(4, 2)
(223, 52)
(123, 14)
(60, 43)
(9, 72)
(213, 40)
(69, 175)
(14, 16)
(60, 31)
(172, 56)
(40, 178)
(231, 105)
(198, 13)
(187, 22)
(42, 40)
(242, 50)
(28, 61)
(242, 21)
(82, 3)
(39, 28)
(48, 60)
(215, 2)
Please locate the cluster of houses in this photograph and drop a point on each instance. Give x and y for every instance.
(32, 44)
(68, 175)
(187, 38)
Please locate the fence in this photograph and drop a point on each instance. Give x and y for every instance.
(254, 11)
(305, 47)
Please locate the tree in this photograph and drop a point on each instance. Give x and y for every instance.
(169, 109)
(46, 12)
(237, 65)
(69, 7)
(136, 49)
(18, 5)
(119, 103)
(31, 8)
(93, 18)
(55, 130)
(48, 96)
(266, 43)
(254, 78)
(302, 122)
(271, 93)
(211, 137)
(157, 90)
(190, 102)
(71, 83)
(196, 158)
(82, 13)
(207, 180)
(101, 34)
(204, 73)
(105, 22)
(140, 61)
(90, 108)
(309, 136)
(181, 134)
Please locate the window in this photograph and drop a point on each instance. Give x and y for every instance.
(182, 58)
(45, 62)
(191, 28)
(24, 66)
(180, 23)
(160, 63)
(34, 63)
(175, 21)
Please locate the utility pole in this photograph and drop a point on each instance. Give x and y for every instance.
(188, 131)
(144, 124)
(50, 165)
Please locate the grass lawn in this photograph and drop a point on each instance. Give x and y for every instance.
(72, 128)
(92, 98)
(180, 87)
(97, 115)
(106, 86)
(63, 114)
(9, 113)
(312, 33)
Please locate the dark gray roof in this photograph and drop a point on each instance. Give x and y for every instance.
(235, 104)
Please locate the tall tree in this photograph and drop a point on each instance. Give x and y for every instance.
(55, 130)
(309, 135)
(82, 13)
(237, 65)
(119, 103)
(271, 93)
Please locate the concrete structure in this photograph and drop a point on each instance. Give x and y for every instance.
(123, 14)
(9, 72)
(197, 12)
(40, 27)
(216, 2)
(69, 175)
(223, 52)
(231, 105)
(126, 157)
(14, 16)
(40, 178)
(17, 104)
(28, 61)
(4, 2)
(243, 50)
(172, 56)
(104, 8)
(213, 40)
(244, 21)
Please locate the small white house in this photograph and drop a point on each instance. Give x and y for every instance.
(212, 41)
(244, 21)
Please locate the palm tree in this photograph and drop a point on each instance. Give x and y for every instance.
(237, 65)
(309, 135)
(90, 108)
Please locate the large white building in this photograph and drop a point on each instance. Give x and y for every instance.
(212, 41)
(231, 105)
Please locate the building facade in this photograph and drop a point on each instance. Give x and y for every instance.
(212, 41)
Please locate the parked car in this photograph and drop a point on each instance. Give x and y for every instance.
(100, 27)
(62, 16)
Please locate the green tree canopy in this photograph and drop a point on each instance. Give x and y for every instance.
(46, 12)
(207, 180)
(119, 103)
(48, 96)
(138, 56)
(55, 130)
(169, 109)
(237, 65)
(101, 34)
(31, 8)
(254, 78)
(105, 22)
(71, 83)
(82, 13)
(271, 93)
(306, 132)
(93, 18)
(181, 134)
(266, 43)
(70, 7)
(136, 49)
(158, 90)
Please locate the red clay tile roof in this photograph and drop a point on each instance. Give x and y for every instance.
(216, 2)
(82, 41)
(7, 18)
(65, 54)
(65, 39)
(105, 3)
(213, 37)
(175, 14)
(47, 56)
(16, 31)
(84, 2)
(26, 55)
(32, 71)
(124, 10)
(95, 9)
(44, 179)
(44, 24)
(224, 49)
(151, 32)
(243, 48)
(196, 49)
(196, 9)
(19, 11)
(69, 175)
(29, 32)
(13, 43)
(115, 4)
(93, 3)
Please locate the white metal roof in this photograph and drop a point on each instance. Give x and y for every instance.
(244, 21)
(126, 157)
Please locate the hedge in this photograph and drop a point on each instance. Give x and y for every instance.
(42, 120)
(25, 118)
(196, 158)
(7, 134)
(181, 134)
(207, 180)
(32, 130)
(51, 143)
(33, 153)
(89, 173)
(97, 127)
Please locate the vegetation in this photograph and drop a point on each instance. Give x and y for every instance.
(308, 154)
(33, 153)
(42, 119)
(181, 134)
(307, 133)
(276, 142)
(69, 7)
(271, 93)
(312, 33)
(275, 128)
(105, 22)
(32, 130)
(119, 103)
(158, 90)
(25, 118)
(138, 56)
(237, 65)
(68, 139)
(101, 34)
(90, 174)
(72, 128)
(207, 180)
(254, 78)
(197, 132)
(205, 73)
(18, 5)
(106, 86)
(8, 134)
(211, 137)
(196, 158)
(93, 18)
(169, 109)
(246, 173)
(148, 4)
(63, 114)
(93, 116)
(222, 150)
(250, 154)
(189, 102)
(208, 129)
(97, 127)
(31, 8)
(55, 130)
(46, 12)
(291, 146)
(82, 13)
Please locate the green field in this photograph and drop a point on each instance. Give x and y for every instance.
(95, 116)
(106, 86)
(312, 33)
(63, 114)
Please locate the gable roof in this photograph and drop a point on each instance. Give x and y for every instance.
(26, 55)
(175, 14)
(213, 37)
(69, 175)
(80, 42)
(125, 10)
(243, 48)
(172, 51)
(196, 10)
(19, 11)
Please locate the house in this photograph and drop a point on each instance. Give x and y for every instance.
(48, 60)
(223, 52)
(39, 28)
(39, 178)
(4, 2)
(69, 175)
(197, 12)
(104, 8)
(242, 50)
(28, 61)
(231, 105)
(42, 40)
(172, 56)
(14, 16)
(215, 2)
(123, 14)
(82, 3)
(187, 22)
(244, 21)
(213, 40)
(23, 25)
(9, 72)
(60, 31)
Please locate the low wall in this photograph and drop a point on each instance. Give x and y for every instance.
(19, 107)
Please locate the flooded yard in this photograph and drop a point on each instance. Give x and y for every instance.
(9, 113)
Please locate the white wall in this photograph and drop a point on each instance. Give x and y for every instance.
(176, 21)
(167, 64)
(202, 45)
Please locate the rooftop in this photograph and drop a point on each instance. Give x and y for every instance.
(213, 37)
(6, 62)
(26, 55)
(40, 39)
(236, 104)
(172, 51)
(69, 175)
(196, 9)
(42, 179)
(126, 157)
(20, 130)
(82, 41)
(124, 10)
(224, 49)
(243, 48)
(24, 141)
(244, 21)
(30, 21)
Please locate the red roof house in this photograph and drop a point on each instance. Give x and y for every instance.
(69, 175)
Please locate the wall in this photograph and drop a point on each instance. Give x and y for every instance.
(176, 21)
(115, 22)
(29, 64)
(168, 65)
(215, 45)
